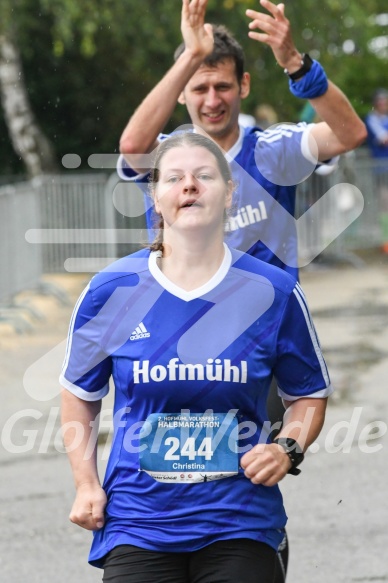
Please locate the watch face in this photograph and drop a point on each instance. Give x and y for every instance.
(292, 448)
(307, 63)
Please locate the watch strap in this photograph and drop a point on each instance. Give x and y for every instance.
(306, 64)
(294, 452)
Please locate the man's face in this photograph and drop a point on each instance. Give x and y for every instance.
(213, 97)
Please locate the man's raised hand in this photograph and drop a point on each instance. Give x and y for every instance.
(276, 33)
(197, 35)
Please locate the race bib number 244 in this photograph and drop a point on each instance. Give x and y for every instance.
(189, 447)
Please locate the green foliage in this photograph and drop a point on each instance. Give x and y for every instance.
(88, 64)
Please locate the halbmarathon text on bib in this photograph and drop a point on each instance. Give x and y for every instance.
(189, 447)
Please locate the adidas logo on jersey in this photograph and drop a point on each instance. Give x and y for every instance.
(140, 332)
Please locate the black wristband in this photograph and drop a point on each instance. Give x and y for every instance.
(294, 452)
(306, 63)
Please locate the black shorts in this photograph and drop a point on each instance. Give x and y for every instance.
(230, 561)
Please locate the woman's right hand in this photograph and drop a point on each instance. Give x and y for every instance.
(88, 507)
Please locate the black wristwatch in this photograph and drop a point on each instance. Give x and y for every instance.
(294, 452)
(306, 64)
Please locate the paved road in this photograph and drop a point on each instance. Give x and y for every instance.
(337, 507)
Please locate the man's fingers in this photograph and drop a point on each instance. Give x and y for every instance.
(194, 6)
(209, 29)
(266, 25)
(277, 11)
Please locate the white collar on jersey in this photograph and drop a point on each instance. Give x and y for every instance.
(195, 293)
(235, 149)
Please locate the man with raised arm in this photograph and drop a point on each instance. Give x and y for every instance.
(209, 78)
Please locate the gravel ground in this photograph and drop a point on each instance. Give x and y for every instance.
(337, 507)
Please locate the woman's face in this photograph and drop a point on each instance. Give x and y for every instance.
(191, 192)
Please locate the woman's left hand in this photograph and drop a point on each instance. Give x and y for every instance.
(266, 464)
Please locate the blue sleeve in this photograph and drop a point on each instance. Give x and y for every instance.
(300, 368)
(87, 367)
(283, 156)
(376, 128)
(126, 172)
(141, 182)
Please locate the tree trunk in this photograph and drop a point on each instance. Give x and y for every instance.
(27, 139)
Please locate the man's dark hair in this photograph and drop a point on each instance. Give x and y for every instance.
(225, 47)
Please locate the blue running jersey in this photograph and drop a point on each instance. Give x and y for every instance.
(191, 372)
(377, 126)
(266, 167)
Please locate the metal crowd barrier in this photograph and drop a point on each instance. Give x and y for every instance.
(21, 265)
(81, 228)
(73, 209)
(341, 208)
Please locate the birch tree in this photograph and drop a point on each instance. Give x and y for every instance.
(26, 137)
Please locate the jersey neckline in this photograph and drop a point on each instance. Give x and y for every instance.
(236, 148)
(181, 293)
